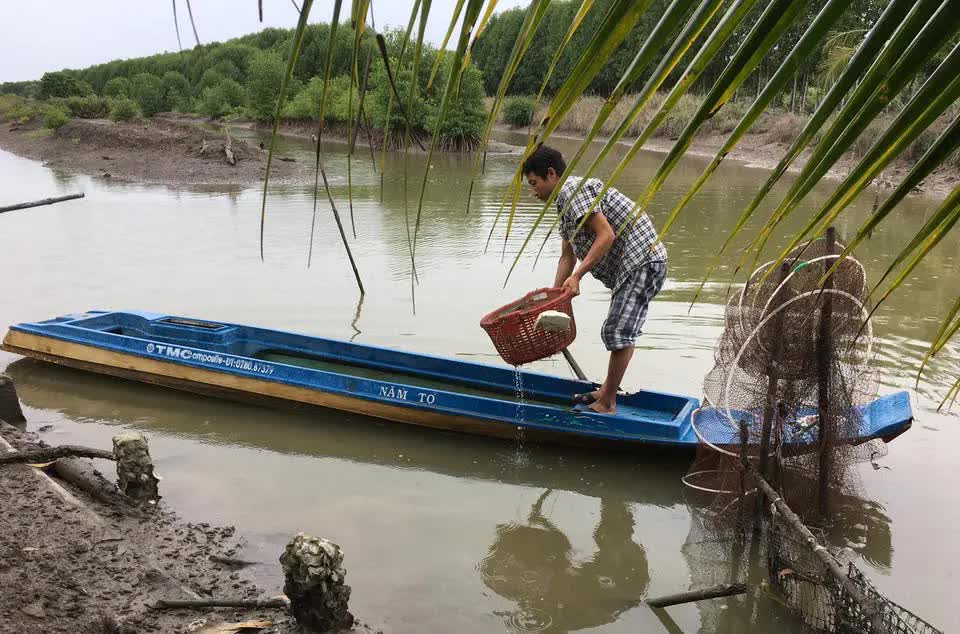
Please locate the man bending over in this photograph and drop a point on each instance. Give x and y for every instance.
(633, 264)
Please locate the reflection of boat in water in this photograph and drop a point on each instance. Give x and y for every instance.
(85, 397)
(533, 565)
(619, 481)
(274, 367)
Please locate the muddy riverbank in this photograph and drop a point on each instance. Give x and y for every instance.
(172, 149)
(69, 563)
(765, 150)
(159, 150)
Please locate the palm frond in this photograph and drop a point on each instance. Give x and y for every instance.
(457, 9)
(470, 16)
(715, 42)
(291, 62)
(892, 18)
(890, 73)
(938, 93)
(487, 14)
(774, 21)
(176, 25)
(571, 30)
(192, 23)
(942, 148)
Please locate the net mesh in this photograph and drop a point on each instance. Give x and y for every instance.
(793, 371)
(794, 367)
(821, 601)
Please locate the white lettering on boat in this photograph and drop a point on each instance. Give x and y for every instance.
(210, 358)
(428, 398)
(392, 391)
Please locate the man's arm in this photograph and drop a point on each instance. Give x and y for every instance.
(568, 260)
(597, 223)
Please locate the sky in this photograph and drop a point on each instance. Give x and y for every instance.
(43, 36)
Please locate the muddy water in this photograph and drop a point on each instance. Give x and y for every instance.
(444, 532)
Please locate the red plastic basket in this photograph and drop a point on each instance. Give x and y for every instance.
(512, 330)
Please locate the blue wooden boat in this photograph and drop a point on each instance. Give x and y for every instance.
(281, 368)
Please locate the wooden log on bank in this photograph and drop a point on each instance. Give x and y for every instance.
(38, 203)
(722, 590)
(49, 454)
(82, 474)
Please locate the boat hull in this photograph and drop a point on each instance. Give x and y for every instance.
(275, 368)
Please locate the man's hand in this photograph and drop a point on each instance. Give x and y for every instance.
(572, 284)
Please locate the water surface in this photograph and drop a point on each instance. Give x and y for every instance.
(444, 532)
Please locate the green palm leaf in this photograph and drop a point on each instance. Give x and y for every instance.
(807, 43)
(393, 93)
(889, 74)
(933, 233)
(728, 24)
(574, 25)
(531, 22)
(294, 54)
(949, 328)
(443, 45)
(937, 94)
(621, 17)
(943, 147)
(456, 69)
(359, 19)
(319, 169)
(891, 22)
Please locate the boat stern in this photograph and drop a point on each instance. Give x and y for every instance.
(888, 416)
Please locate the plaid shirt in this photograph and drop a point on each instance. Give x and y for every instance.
(629, 251)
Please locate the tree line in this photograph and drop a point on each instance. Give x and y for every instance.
(492, 51)
(242, 78)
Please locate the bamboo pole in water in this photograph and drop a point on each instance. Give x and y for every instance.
(723, 590)
(791, 519)
(38, 203)
(824, 367)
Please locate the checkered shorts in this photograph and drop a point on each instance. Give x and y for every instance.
(628, 308)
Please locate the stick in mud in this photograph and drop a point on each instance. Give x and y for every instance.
(253, 604)
(232, 561)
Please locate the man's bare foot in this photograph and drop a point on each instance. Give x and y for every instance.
(603, 408)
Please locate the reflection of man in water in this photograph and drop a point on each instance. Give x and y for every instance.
(533, 565)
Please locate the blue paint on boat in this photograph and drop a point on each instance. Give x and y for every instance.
(423, 382)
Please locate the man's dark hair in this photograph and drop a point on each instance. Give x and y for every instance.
(543, 158)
